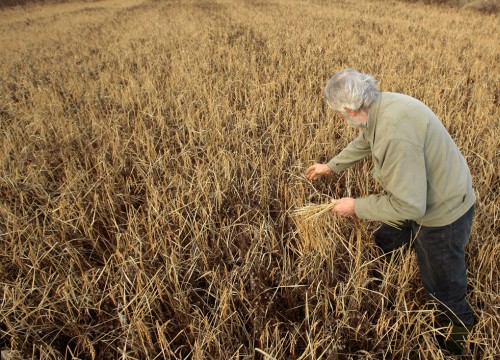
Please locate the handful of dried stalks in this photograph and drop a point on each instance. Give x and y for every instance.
(314, 211)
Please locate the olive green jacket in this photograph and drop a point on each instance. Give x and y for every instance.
(415, 160)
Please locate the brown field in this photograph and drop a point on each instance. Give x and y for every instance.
(152, 155)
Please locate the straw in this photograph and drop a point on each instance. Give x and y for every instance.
(314, 211)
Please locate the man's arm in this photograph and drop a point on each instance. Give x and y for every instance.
(355, 151)
(404, 178)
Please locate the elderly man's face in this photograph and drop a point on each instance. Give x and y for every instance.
(356, 119)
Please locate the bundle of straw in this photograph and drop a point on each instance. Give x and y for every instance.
(314, 211)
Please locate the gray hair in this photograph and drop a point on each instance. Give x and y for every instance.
(352, 90)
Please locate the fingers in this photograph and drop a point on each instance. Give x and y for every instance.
(314, 175)
(311, 172)
(335, 202)
(314, 172)
(344, 206)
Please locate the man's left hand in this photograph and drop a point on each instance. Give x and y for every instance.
(344, 206)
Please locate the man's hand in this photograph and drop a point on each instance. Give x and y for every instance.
(344, 206)
(317, 170)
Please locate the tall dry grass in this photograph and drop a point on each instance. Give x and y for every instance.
(152, 155)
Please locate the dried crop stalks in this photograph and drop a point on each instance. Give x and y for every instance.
(315, 211)
(151, 156)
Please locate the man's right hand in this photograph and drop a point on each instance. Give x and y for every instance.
(317, 170)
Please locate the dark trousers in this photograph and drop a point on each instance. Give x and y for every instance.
(441, 259)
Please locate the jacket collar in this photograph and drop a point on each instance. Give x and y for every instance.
(373, 118)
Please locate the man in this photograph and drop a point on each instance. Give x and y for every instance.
(427, 186)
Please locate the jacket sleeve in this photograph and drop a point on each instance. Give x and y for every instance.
(355, 151)
(404, 179)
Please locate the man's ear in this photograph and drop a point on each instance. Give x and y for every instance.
(350, 112)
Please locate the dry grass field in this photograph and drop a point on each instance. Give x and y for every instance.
(152, 154)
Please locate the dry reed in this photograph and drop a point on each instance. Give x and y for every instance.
(315, 211)
(151, 155)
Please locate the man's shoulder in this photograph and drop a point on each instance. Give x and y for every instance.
(403, 117)
(396, 99)
(398, 107)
